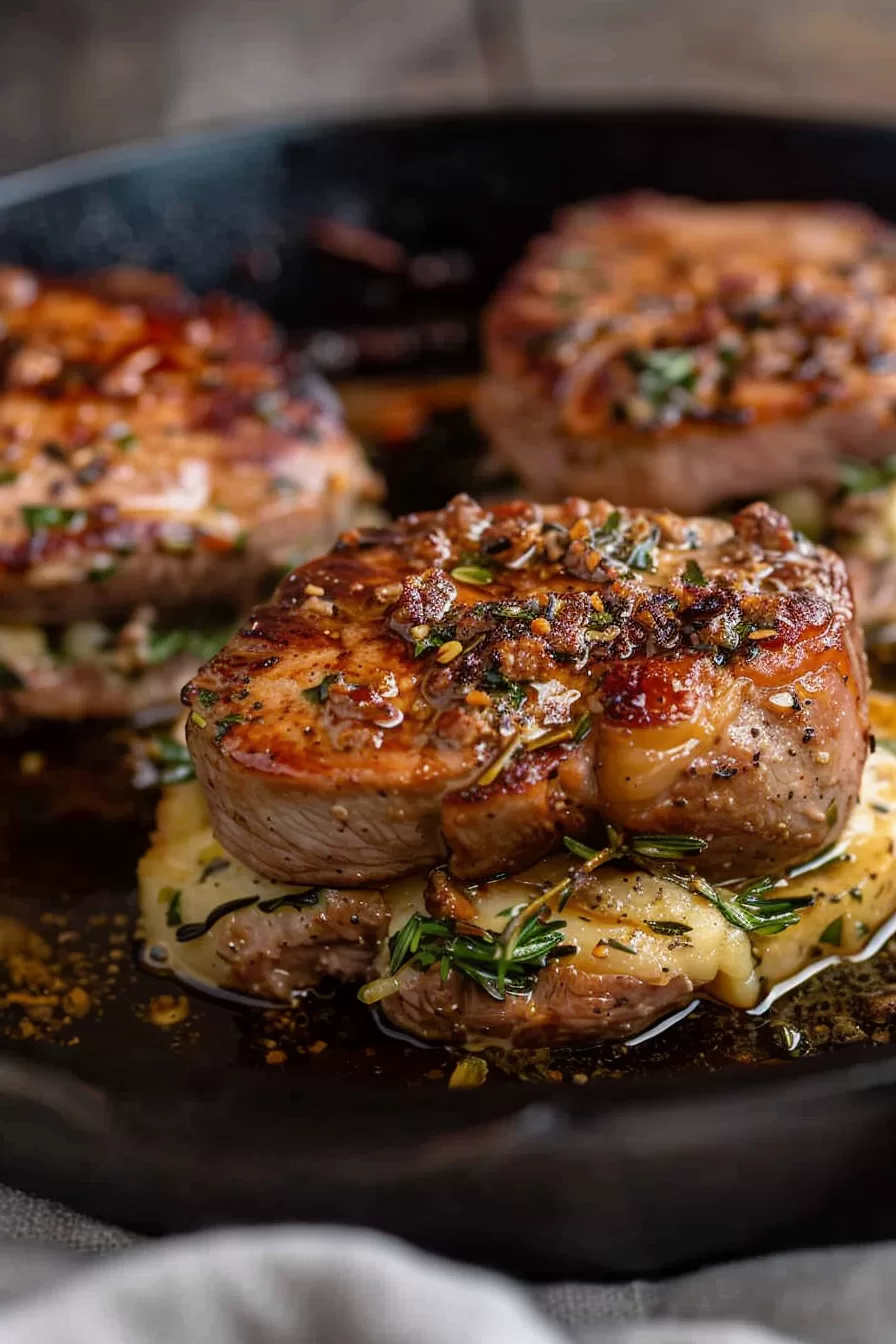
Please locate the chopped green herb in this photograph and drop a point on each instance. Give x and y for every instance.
(666, 846)
(174, 914)
(662, 373)
(240, 542)
(694, 575)
(173, 759)
(833, 934)
(583, 728)
(642, 555)
(208, 698)
(8, 477)
(200, 644)
(199, 721)
(858, 478)
(749, 909)
(514, 692)
(319, 694)
(668, 926)
(832, 814)
(580, 850)
(477, 575)
(601, 620)
(621, 947)
(223, 726)
(609, 527)
(44, 517)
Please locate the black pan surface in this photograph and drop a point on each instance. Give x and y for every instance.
(159, 1113)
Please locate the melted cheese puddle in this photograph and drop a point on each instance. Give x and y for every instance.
(609, 924)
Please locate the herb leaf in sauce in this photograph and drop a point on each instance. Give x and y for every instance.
(319, 694)
(477, 575)
(514, 692)
(642, 555)
(665, 846)
(174, 914)
(668, 926)
(223, 726)
(694, 575)
(43, 517)
(662, 372)
(859, 478)
(621, 947)
(833, 934)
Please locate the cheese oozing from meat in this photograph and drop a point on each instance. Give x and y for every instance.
(620, 922)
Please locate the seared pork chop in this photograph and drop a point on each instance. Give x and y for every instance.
(673, 354)
(152, 449)
(480, 682)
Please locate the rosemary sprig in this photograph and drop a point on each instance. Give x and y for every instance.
(750, 908)
(479, 954)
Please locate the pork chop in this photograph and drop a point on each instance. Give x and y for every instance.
(152, 448)
(479, 682)
(673, 354)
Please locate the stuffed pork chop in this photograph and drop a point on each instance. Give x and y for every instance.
(471, 685)
(679, 354)
(153, 459)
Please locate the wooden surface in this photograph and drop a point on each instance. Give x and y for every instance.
(80, 73)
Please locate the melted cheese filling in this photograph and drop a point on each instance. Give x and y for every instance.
(186, 875)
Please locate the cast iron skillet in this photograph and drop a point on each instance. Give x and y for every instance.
(161, 1131)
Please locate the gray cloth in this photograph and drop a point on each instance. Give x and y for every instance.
(346, 1286)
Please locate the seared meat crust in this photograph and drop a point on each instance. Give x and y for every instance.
(481, 680)
(150, 442)
(669, 353)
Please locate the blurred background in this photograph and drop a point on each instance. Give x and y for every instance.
(76, 74)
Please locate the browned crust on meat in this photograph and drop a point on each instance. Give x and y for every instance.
(164, 431)
(783, 322)
(567, 1006)
(726, 672)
